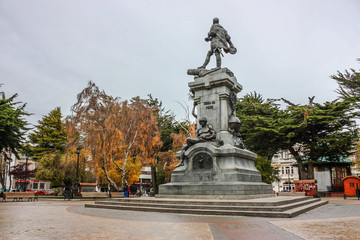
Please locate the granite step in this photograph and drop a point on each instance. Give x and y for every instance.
(305, 208)
(286, 214)
(272, 201)
(180, 205)
(278, 207)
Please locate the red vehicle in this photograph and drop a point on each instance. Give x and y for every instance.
(39, 192)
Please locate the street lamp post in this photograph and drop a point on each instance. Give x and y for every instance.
(84, 172)
(78, 149)
(26, 168)
(134, 159)
(154, 176)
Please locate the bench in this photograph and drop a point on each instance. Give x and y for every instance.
(292, 194)
(94, 195)
(117, 194)
(19, 196)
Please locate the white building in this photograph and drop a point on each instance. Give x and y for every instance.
(355, 167)
(144, 179)
(30, 183)
(283, 161)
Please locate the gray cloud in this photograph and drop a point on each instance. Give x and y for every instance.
(50, 49)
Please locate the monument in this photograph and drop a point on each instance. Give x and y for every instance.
(215, 163)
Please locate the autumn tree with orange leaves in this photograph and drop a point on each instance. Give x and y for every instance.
(113, 132)
(173, 136)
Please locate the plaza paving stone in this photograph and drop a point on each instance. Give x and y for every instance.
(340, 219)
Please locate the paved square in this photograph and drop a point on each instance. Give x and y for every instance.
(71, 220)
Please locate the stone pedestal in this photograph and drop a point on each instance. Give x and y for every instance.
(220, 172)
(211, 93)
(211, 170)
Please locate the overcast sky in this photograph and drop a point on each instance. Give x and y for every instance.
(49, 50)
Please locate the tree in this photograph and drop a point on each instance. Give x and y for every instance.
(166, 161)
(49, 135)
(261, 130)
(261, 124)
(329, 132)
(18, 171)
(165, 120)
(357, 156)
(48, 146)
(308, 132)
(87, 168)
(268, 173)
(115, 131)
(349, 84)
(13, 127)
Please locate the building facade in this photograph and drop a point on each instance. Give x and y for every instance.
(328, 175)
(283, 161)
(355, 167)
(25, 181)
(144, 182)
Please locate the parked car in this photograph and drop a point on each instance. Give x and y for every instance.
(39, 192)
(49, 192)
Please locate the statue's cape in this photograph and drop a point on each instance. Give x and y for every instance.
(218, 34)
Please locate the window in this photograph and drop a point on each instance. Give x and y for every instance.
(292, 170)
(352, 184)
(145, 180)
(282, 170)
(42, 185)
(338, 174)
(36, 185)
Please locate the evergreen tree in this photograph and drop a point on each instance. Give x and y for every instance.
(165, 121)
(13, 127)
(261, 123)
(268, 173)
(349, 84)
(308, 132)
(327, 131)
(48, 146)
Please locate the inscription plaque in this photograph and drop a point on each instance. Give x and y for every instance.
(202, 161)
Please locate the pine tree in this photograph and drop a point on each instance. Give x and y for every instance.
(349, 84)
(13, 127)
(309, 132)
(48, 146)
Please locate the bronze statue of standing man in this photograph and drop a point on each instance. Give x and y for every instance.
(220, 39)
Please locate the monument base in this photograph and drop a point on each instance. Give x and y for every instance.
(208, 190)
(216, 172)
